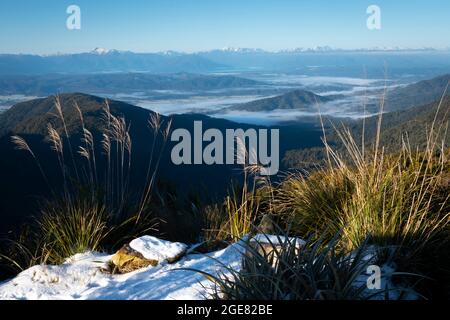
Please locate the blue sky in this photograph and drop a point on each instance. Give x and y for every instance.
(192, 25)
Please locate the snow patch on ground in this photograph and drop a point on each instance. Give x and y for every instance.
(80, 277)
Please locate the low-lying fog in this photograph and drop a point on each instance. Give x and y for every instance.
(7, 101)
(352, 97)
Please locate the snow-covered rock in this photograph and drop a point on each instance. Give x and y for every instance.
(153, 248)
(127, 260)
(146, 251)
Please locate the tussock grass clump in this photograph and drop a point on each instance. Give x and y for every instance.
(315, 270)
(396, 199)
(242, 211)
(214, 223)
(17, 254)
(242, 207)
(70, 228)
(233, 218)
(311, 203)
(95, 208)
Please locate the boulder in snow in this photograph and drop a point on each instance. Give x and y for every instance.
(147, 251)
(153, 248)
(127, 260)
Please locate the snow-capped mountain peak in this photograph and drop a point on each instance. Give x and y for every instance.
(241, 50)
(101, 51)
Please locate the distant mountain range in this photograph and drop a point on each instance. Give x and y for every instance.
(43, 85)
(320, 49)
(105, 61)
(319, 61)
(103, 51)
(295, 100)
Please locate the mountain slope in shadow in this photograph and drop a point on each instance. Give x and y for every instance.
(21, 185)
(410, 127)
(43, 85)
(416, 94)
